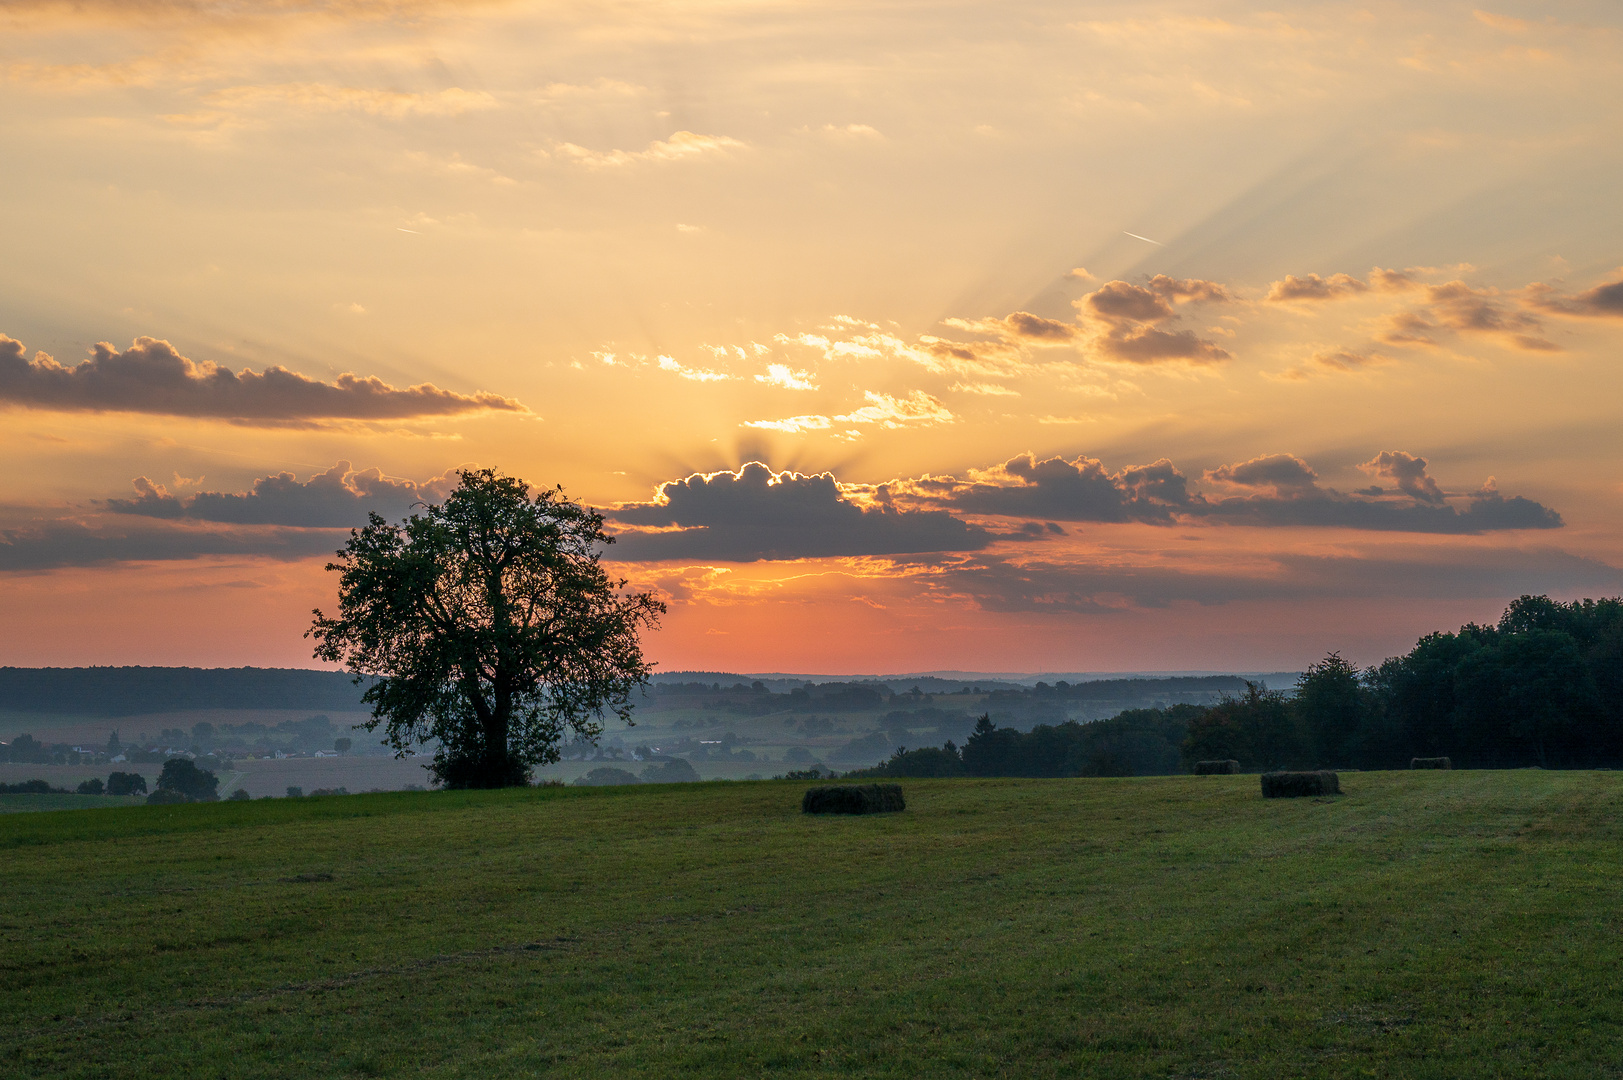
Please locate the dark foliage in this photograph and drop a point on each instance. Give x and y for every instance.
(239, 795)
(182, 777)
(1334, 709)
(927, 761)
(607, 777)
(126, 783)
(1138, 742)
(93, 786)
(1289, 785)
(489, 627)
(25, 750)
(1258, 729)
(1431, 763)
(1543, 687)
(675, 771)
(853, 799)
(32, 787)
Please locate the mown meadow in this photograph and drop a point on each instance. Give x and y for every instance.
(1428, 924)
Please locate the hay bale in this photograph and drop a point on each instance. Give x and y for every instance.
(1290, 785)
(853, 799)
(1430, 763)
(1216, 768)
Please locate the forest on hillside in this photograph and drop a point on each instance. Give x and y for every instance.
(1541, 688)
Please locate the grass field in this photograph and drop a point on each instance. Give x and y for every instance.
(1432, 924)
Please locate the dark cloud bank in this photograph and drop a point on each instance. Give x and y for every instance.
(337, 498)
(152, 377)
(758, 514)
(53, 545)
(1273, 490)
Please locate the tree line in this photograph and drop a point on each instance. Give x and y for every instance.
(1542, 687)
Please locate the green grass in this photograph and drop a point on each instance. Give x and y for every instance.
(1424, 925)
(12, 804)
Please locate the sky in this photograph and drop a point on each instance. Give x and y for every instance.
(887, 336)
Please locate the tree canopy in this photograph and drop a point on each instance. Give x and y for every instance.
(182, 777)
(489, 627)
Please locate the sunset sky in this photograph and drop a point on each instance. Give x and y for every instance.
(889, 336)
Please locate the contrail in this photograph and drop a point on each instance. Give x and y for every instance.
(1146, 239)
(414, 232)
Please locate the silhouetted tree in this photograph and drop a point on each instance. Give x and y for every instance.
(991, 750)
(1333, 707)
(126, 783)
(489, 626)
(93, 786)
(925, 761)
(182, 777)
(1256, 729)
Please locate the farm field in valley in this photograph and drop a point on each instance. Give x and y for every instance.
(1436, 924)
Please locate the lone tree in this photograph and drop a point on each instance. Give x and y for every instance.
(487, 625)
(182, 777)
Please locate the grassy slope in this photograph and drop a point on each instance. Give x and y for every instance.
(1425, 925)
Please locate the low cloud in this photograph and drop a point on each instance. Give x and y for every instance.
(340, 497)
(782, 375)
(917, 409)
(681, 146)
(1313, 287)
(1409, 472)
(755, 513)
(1106, 587)
(1126, 320)
(1056, 489)
(1334, 362)
(1270, 491)
(670, 364)
(1284, 475)
(1603, 301)
(1282, 490)
(1459, 307)
(58, 544)
(152, 377)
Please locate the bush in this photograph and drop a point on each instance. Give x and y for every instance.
(294, 791)
(240, 795)
(927, 761)
(93, 786)
(185, 779)
(126, 783)
(1430, 763)
(1216, 768)
(816, 772)
(678, 771)
(32, 787)
(853, 799)
(329, 791)
(1290, 785)
(607, 777)
(166, 797)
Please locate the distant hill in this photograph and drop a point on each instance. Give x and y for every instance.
(127, 691)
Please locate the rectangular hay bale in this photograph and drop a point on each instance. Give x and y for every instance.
(1216, 768)
(1290, 785)
(1430, 763)
(853, 799)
